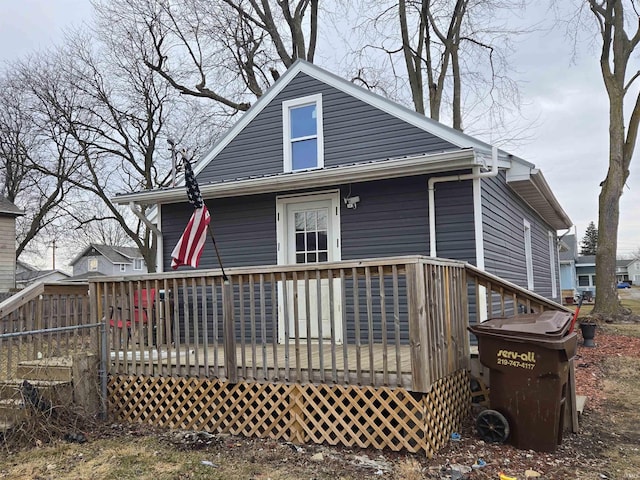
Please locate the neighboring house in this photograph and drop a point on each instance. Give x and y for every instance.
(27, 275)
(8, 214)
(633, 271)
(586, 274)
(622, 270)
(107, 260)
(320, 169)
(568, 254)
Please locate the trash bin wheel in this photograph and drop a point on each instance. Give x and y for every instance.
(492, 426)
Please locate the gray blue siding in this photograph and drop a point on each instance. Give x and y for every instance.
(502, 221)
(354, 132)
(391, 219)
(244, 228)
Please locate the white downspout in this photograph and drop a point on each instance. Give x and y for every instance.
(453, 178)
(154, 229)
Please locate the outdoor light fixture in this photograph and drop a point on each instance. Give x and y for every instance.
(351, 202)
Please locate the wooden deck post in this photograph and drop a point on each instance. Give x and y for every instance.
(228, 331)
(419, 336)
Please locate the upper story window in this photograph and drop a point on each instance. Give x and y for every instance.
(303, 140)
(137, 263)
(93, 264)
(123, 267)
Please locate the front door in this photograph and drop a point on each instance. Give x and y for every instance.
(309, 229)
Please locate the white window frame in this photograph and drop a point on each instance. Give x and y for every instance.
(138, 263)
(552, 263)
(528, 254)
(92, 264)
(588, 277)
(123, 268)
(287, 105)
(282, 236)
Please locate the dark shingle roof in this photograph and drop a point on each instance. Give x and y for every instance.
(35, 274)
(586, 259)
(8, 208)
(572, 247)
(115, 255)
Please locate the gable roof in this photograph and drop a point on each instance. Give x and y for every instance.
(451, 135)
(25, 266)
(625, 262)
(115, 254)
(586, 260)
(572, 248)
(529, 184)
(33, 275)
(8, 208)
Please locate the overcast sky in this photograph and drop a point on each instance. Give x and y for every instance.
(566, 101)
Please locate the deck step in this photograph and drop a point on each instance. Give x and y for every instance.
(56, 391)
(52, 369)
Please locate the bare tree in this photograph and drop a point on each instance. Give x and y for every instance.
(228, 51)
(24, 149)
(453, 53)
(109, 111)
(619, 30)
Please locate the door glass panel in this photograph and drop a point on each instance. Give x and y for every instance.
(300, 242)
(311, 220)
(311, 241)
(322, 220)
(322, 241)
(311, 236)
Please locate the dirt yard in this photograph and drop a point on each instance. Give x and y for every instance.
(607, 447)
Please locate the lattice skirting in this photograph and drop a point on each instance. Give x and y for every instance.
(337, 415)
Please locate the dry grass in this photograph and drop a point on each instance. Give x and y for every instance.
(622, 387)
(630, 299)
(130, 454)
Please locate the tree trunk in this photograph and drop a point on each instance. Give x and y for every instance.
(609, 210)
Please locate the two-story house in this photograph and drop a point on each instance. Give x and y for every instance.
(98, 259)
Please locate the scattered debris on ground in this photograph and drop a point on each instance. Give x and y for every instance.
(464, 457)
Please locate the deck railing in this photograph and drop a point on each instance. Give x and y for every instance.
(45, 320)
(398, 322)
(395, 322)
(503, 298)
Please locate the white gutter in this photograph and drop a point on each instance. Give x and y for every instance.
(454, 178)
(392, 168)
(154, 229)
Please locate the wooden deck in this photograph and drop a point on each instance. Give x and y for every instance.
(385, 364)
(347, 365)
(389, 322)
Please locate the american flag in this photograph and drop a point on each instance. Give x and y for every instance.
(191, 244)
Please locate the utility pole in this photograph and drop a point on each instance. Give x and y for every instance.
(172, 149)
(53, 244)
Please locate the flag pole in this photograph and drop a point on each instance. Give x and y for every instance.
(215, 245)
(210, 230)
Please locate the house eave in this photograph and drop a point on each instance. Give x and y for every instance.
(530, 185)
(395, 168)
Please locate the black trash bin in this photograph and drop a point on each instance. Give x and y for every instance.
(528, 357)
